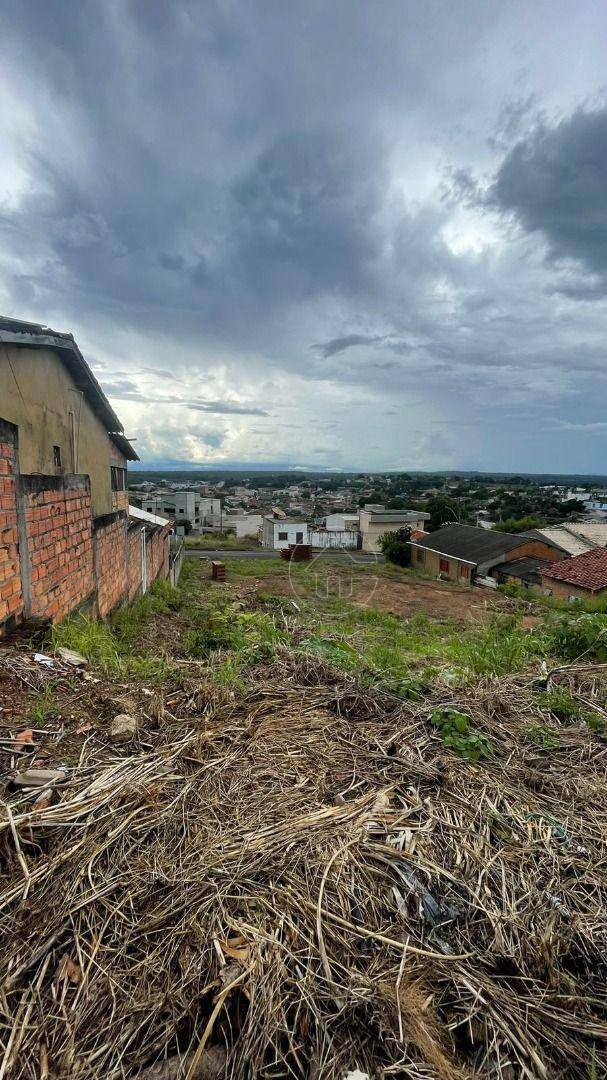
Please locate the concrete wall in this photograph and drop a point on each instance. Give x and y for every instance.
(39, 397)
(371, 530)
(272, 527)
(11, 596)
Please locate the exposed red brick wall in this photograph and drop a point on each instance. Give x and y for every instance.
(111, 562)
(157, 555)
(11, 595)
(57, 513)
(134, 561)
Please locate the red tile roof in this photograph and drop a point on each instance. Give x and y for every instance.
(418, 533)
(589, 570)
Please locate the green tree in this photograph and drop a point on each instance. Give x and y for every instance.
(395, 546)
(443, 511)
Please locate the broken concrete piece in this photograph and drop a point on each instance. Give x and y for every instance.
(39, 778)
(123, 728)
(72, 657)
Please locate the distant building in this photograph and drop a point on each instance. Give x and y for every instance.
(341, 522)
(462, 553)
(581, 577)
(374, 523)
(242, 524)
(203, 512)
(278, 533)
(574, 537)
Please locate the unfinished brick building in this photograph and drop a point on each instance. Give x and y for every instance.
(68, 539)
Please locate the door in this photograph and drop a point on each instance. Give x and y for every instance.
(299, 538)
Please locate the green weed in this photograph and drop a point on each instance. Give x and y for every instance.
(44, 708)
(457, 732)
(541, 736)
(560, 703)
(595, 722)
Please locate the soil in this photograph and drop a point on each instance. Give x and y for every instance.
(394, 595)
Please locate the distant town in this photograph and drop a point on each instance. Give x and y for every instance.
(227, 504)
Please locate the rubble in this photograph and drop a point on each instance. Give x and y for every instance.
(123, 728)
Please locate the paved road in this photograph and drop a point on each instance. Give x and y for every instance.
(356, 556)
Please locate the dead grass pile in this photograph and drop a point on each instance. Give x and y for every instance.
(307, 882)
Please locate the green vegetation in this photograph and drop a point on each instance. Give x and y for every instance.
(44, 707)
(395, 546)
(112, 646)
(560, 703)
(223, 541)
(456, 732)
(518, 525)
(543, 737)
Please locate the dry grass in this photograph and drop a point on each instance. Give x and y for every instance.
(305, 881)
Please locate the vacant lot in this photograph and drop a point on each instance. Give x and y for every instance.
(345, 833)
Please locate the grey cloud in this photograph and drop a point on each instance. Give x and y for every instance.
(217, 407)
(555, 181)
(349, 341)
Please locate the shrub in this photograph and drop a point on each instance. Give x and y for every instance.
(560, 703)
(395, 546)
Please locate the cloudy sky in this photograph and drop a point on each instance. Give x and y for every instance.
(339, 233)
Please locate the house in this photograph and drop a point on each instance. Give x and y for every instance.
(525, 572)
(203, 513)
(242, 524)
(581, 577)
(574, 537)
(374, 523)
(341, 522)
(66, 539)
(281, 532)
(464, 552)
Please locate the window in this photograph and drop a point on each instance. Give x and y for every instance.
(181, 510)
(443, 566)
(57, 457)
(283, 536)
(420, 555)
(464, 571)
(118, 478)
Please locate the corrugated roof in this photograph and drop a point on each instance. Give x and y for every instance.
(588, 571)
(470, 544)
(568, 538)
(144, 515)
(526, 568)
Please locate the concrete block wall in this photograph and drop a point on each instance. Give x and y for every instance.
(11, 595)
(57, 566)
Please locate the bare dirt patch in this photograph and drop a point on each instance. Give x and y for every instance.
(396, 595)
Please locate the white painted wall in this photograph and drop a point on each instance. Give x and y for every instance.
(279, 534)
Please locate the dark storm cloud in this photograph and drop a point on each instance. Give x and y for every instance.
(340, 344)
(555, 182)
(206, 190)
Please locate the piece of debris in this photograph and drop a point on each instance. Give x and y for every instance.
(72, 657)
(25, 740)
(39, 778)
(40, 658)
(123, 728)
